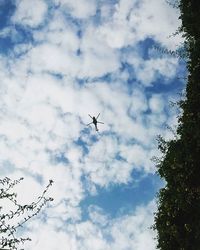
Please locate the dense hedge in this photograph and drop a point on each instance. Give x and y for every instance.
(178, 218)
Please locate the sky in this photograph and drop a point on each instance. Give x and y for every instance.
(61, 60)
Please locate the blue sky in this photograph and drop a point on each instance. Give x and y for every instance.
(61, 60)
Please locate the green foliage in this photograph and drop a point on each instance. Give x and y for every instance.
(12, 220)
(180, 53)
(177, 220)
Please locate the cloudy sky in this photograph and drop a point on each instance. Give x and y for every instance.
(61, 60)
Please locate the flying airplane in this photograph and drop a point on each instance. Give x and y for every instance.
(94, 121)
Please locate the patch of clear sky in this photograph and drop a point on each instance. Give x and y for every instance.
(117, 200)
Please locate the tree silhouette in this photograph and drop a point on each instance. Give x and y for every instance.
(12, 220)
(177, 220)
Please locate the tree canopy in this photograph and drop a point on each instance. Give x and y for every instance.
(15, 216)
(177, 220)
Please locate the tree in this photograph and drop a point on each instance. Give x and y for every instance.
(177, 220)
(12, 220)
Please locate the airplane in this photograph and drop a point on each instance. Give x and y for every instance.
(94, 121)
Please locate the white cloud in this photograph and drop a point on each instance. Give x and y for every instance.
(117, 32)
(149, 14)
(133, 22)
(138, 103)
(156, 104)
(126, 232)
(49, 239)
(5, 32)
(97, 45)
(132, 232)
(82, 9)
(149, 70)
(30, 13)
(98, 216)
(98, 58)
(51, 58)
(58, 54)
